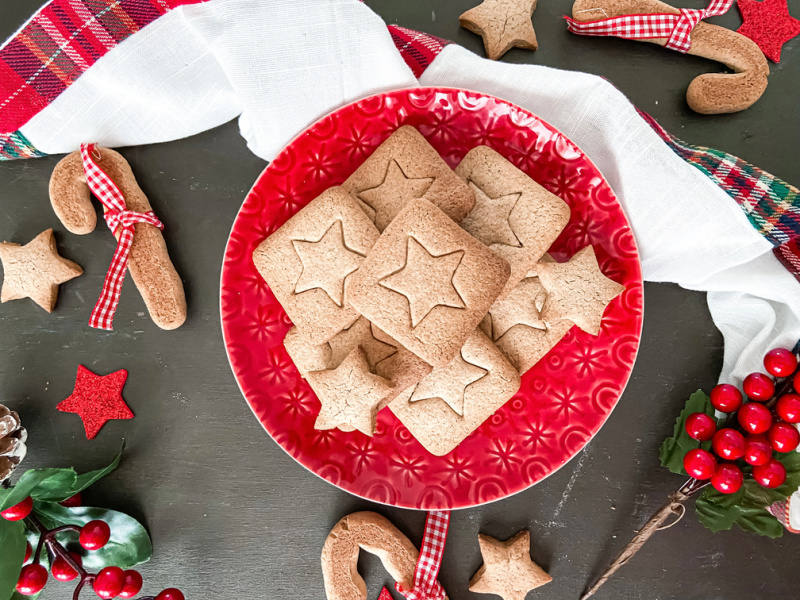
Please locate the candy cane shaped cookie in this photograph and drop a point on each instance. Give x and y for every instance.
(149, 263)
(710, 93)
(375, 534)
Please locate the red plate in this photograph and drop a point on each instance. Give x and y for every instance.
(563, 400)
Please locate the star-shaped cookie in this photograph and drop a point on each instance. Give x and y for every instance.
(769, 24)
(388, 199)
(577, 291)
(521, 306)
(503, 24)
(426, 280)
(507, 569)
(97, 399)
(349, 394)
(449, 383)
(489, 220)
(326, 263)
(35, 270)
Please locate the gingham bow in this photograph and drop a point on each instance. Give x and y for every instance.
(426, 586)
(676, 28)
(121, 221)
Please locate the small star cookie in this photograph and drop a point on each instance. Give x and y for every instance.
(35, 270)
(349, 394)
(507, 569)
(577, 291)
(503, 24)
(385, 356)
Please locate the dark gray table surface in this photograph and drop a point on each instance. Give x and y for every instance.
(231, 515)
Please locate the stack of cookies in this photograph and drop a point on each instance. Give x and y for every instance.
(427, 290)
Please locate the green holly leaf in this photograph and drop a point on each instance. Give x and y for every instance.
(129, 545)
(791, 461)
(80, 482)
(12, 551)
(46, 480)
(675, 448)
(746, 508)
(53, 485)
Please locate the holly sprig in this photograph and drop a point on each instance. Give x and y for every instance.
(727, 492)
(128, 546)
(747, 507)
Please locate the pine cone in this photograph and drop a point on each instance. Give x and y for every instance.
(12, 442)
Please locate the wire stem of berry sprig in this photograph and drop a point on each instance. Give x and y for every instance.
(48, 537)
(673, 506)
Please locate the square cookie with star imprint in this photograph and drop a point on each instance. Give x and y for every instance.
(513, 215)
(455, 399)
(309, 261)
(403, 167)
(386, 357)
(427, 283)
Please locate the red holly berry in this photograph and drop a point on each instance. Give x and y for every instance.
(783, 437)
(770, 475)
(28, 552)
(700, 463)
(108, 583)
(700, 426)
(32, 579)
(728, 444)
(131, 584)
(726, 398)
(796, 383)
(61, 569)
(758, 387)
(18, 511)
(73, 501)
(754, 418)
(757, 450)
(780, 362)
(788, 408)
(727, 478)
(171, 594)
(94, 535)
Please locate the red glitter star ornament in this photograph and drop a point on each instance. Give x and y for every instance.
(97, 399)
(769, 24)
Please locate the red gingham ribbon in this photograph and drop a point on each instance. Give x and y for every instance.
(120, 220)
(676, 28)
(426, 587)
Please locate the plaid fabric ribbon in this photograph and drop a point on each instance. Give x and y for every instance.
(426, 587)
(676, 28)
(121, 221)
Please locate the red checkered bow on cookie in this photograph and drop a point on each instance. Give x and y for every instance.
(675, 27)
(426, 585)
(121, 222)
